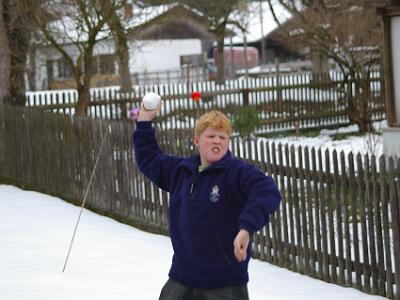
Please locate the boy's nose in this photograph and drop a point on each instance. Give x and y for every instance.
(217, 141)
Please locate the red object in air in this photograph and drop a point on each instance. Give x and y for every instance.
(196, 96)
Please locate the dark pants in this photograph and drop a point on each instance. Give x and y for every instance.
(174, 290)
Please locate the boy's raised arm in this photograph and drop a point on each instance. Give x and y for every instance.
(154, 164)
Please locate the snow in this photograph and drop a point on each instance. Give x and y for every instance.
(109, 260)
(367, 144)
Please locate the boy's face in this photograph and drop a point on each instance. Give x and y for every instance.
(212, 145)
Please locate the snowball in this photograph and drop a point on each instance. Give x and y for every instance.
(151, 100)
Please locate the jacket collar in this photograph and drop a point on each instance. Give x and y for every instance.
(193, 162)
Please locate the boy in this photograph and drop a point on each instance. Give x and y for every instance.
(216, 203)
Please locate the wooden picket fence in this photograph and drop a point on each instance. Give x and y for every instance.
(286, 102)
(339, 218)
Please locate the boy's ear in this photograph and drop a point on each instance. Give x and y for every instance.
(196, 140)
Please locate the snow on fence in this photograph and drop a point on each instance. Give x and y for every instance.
(283, 103)
(340, 224)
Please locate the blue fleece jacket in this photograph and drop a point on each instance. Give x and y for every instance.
(206, 210)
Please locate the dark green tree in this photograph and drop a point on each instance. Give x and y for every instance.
(246, 120)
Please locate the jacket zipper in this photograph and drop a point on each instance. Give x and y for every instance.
(192, 188)
(193, 185)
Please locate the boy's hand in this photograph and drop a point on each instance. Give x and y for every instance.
(240, 245)
(148, 115)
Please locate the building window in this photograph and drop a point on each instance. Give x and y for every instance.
(64, 69)
(103, 64)
(94, 68)
(106, 63)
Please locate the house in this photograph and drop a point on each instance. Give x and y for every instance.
(168, 40)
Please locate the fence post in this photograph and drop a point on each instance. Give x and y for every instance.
(278, 84)
(123, 104)
(245, 93)
(395, 211)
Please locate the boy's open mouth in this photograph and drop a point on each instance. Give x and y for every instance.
(215, 150)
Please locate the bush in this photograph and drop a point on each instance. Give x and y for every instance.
(246, 120)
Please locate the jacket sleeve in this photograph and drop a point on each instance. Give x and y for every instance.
(261, 197)
(152, 162)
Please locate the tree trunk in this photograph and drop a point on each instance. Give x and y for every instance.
(365, 98)
(122, 51)
(221, 62)
(123, 60)
(358, 109)
(123, 66)
(83, 99)
(123, 55)
(83, 82)
(124, 75)
(4, 80)
(19, 40)
(5, 61)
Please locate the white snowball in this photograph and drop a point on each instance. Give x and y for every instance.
(151, 100)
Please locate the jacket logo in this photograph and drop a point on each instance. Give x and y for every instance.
(214, 195)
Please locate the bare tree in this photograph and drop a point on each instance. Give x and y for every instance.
(77, 27)
(347, 32)
(218, 15)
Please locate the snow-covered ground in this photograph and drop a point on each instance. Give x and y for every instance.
(109, 260)
(367, 144)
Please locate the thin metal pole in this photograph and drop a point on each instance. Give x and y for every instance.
(84, 198)
(262, 34)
